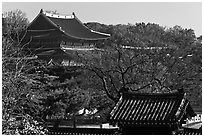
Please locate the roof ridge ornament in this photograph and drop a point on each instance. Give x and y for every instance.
(58, 15)
(73, 14)
(41, 11)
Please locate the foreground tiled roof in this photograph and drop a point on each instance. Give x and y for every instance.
(148, 109)
(189, 131)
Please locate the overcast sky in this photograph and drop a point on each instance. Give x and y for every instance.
(185, 14)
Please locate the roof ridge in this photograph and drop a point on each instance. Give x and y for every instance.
(61, 16)
(177, 93)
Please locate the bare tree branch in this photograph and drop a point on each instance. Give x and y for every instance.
(112, 82)
(104, 83)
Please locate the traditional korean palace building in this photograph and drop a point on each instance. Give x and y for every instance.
(49, 35)
(151, 113)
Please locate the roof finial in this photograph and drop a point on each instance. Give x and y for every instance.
(41, 11)
(73, 13)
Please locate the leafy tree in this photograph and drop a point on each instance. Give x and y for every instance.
(20, 90)
(137, 55)
(17, 95)
(14, 24)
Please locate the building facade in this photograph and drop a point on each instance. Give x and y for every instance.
(49, 35)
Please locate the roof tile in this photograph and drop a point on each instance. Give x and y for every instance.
(149, 108)
(74, 28)
(69, 26)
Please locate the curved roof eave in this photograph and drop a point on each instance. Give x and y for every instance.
(81, 37)
(91, 29)
(101, 33)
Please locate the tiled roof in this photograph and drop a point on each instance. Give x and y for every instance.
(74, 28)
(138, 108)
(189, 131)
(69, 26)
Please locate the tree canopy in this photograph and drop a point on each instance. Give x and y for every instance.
(139, 54)
(14, 23)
